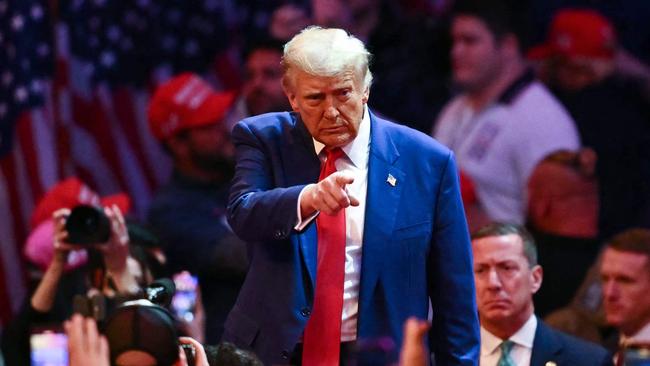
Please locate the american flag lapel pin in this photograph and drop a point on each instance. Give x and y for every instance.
(391, 180)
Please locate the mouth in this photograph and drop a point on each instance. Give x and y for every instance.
(613, 308)
(334, 130)
(500, 303)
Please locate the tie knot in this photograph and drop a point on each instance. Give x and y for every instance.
(333, 154)
(506, 346)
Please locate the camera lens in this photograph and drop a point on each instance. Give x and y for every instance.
(88, 225)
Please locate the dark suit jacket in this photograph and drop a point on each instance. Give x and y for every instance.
(565, 350)
(415, 244)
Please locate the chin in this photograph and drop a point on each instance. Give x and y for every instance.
(497, 314)
(613, 320)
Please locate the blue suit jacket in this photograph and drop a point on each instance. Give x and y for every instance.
(415, 244)
(565, 350)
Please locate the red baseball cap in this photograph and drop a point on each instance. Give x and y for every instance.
(578, 33)
(184, 102)
(72, 192)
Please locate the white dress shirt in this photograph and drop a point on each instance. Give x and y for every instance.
(354, 162)
(521, 350)
(642, 336)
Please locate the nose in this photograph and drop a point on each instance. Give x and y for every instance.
(256, 80)
(610, 290)
(456, 50)
(331, 110)
(493, 280)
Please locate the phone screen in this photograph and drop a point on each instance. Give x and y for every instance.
(49, 348)
(184, 300)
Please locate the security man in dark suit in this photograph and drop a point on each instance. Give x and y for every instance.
(507, 275)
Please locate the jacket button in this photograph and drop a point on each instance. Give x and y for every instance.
(305, 312)
(285, 354)
(279, 234)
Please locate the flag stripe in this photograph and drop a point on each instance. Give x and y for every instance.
(29, 155)
(125, 115)
(13, 235)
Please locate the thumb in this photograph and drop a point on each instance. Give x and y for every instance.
(353, 200)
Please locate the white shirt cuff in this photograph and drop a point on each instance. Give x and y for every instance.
(301, 224)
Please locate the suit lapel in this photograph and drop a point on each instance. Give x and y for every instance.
(546, 346)
(382, 200)
(305, 168)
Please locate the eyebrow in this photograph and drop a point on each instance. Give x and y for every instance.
(314, 95)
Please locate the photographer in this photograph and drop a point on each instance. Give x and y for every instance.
(138, 333)
(67, 265)
(87, 347)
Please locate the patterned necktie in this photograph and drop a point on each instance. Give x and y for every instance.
(322, 336)
(505, 359)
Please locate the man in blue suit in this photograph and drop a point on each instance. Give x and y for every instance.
(507, 275)
(402, 239)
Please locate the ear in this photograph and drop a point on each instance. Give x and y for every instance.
(510, 44)
(366, 95)
(536, 274)
(538, 207)
(294, 103)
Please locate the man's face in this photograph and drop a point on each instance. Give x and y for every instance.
(475, 54)
(626, 288)
(505, 283)
(330, 107)
(209, 146)
(262, 87)
(574, 74)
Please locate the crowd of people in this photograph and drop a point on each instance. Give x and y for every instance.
(403, 183)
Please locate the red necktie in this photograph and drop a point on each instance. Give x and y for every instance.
(322, 336)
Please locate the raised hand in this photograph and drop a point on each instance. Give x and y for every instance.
(329, 195)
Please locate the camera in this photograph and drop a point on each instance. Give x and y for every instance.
(88, 225)
(141, 325)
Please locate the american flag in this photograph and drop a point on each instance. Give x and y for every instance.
(75, 80)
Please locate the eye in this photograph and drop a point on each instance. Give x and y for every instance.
(345, 93)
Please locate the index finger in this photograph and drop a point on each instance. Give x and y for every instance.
(62, 212)
(343, 178)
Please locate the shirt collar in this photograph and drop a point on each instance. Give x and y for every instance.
(643, 336)
(514, 90)
(523, 337)
(357, 149)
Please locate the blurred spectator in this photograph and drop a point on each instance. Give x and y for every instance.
(410, 78)
(507, 275)
(625, 273)
(286, 21)
(86, 347)
(73, 272)
(188, 214)
(584, 316)
(578, 62)
(563, 215)
(505, 122)
(138, 333)
(413, 351)
(227, 354)
(262, 88)
(259, 18)
(629, 17)
(141, 333)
